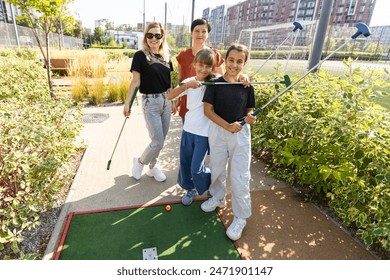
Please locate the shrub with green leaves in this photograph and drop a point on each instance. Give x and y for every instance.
(326, 134)
(37, 140)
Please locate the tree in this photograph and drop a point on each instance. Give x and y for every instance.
(64, 25)
(98, 36)
(171, 40)
(111, 41)
(78, 29)
(43, 14)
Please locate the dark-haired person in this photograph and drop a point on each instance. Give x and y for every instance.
(151, 69)
(230, 142)
(200, 29)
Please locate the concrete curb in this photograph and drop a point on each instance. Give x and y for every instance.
(57, 231)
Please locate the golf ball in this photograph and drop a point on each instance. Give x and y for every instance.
(168, 208)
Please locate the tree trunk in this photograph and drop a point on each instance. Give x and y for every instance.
(48, 66)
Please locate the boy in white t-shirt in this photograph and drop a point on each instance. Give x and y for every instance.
(193, 175)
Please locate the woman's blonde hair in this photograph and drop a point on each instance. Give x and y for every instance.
(163, 49)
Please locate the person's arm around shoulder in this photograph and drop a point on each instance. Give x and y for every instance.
(135, 82)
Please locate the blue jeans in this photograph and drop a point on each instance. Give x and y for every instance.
(157, 113)
(192, 172)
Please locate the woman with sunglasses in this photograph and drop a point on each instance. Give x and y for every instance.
(151, 69)
(200, 29)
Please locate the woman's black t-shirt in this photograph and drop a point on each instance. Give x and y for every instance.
(155, 72)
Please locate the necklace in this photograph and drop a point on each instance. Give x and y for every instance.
(156, 58)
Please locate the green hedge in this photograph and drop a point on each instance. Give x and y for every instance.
(327, 135)
(37, 140)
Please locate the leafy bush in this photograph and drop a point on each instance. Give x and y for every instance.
(37, 135)
(326, 135)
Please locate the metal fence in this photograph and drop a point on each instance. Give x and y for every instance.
(8, 38)
(293, 49)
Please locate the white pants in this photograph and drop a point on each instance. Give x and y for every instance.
(234, 148)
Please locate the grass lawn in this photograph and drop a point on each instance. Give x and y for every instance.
(299, 67)
(383, 100)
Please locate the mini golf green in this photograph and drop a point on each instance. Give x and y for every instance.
(183, 233)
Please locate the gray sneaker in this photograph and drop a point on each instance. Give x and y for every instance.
(137, 169)
(212, 203)
(189, 197)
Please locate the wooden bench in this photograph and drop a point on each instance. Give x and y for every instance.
(60, 65)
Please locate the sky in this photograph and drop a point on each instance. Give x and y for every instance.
(131, 11)
(178, 11)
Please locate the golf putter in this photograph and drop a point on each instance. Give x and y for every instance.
(363, 29)
(297, 26)
(286, 81)
(120, 133)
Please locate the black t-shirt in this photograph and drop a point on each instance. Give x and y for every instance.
(155, 72)
(230, 101)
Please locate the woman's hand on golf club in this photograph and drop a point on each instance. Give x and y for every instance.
(126, 110)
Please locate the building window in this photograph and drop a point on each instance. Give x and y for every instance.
(352, 7)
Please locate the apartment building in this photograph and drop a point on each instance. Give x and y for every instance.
(216, 19)
(259, 13)
(5, 12)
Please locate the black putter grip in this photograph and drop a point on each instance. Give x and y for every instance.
(133, 98)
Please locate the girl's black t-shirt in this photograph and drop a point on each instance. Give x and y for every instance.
(230, 101)
(155, 72)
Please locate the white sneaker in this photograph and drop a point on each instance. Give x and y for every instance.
(156, 173)
(137, 169)
(234, 231)
(212, 203)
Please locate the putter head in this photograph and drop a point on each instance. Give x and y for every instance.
(362, 29)
(287, 80)
(297, 25)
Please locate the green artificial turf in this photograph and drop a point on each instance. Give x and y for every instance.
(184, 233)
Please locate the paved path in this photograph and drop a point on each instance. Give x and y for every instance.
(281, 227)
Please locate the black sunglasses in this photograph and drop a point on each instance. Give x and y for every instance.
(158, 36)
